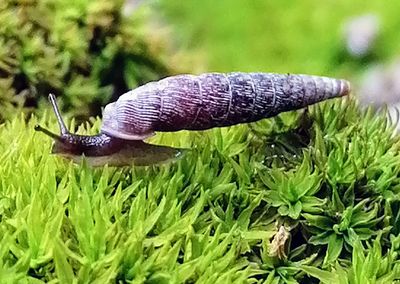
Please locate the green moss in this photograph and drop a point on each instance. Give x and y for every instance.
(87, 51)
(227, 211)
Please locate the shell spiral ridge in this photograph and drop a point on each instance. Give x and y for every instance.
(214, 100)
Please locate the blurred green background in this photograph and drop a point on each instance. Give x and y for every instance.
(279, 36)
(90, 52)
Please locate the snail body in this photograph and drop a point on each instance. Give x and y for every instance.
(102, 149)
(189, 102)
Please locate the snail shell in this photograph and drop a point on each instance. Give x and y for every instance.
(213, 100)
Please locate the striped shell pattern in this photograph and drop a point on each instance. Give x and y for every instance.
(213, 100)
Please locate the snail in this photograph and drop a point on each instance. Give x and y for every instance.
(192, 103)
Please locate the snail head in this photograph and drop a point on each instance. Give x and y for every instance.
(104, 149)
(72, 144)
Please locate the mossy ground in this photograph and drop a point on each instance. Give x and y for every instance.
(246, 204)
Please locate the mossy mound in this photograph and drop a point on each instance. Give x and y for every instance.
(87, 51)
(306, 195)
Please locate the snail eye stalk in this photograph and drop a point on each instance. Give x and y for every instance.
(47, 132)
(61, 124)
